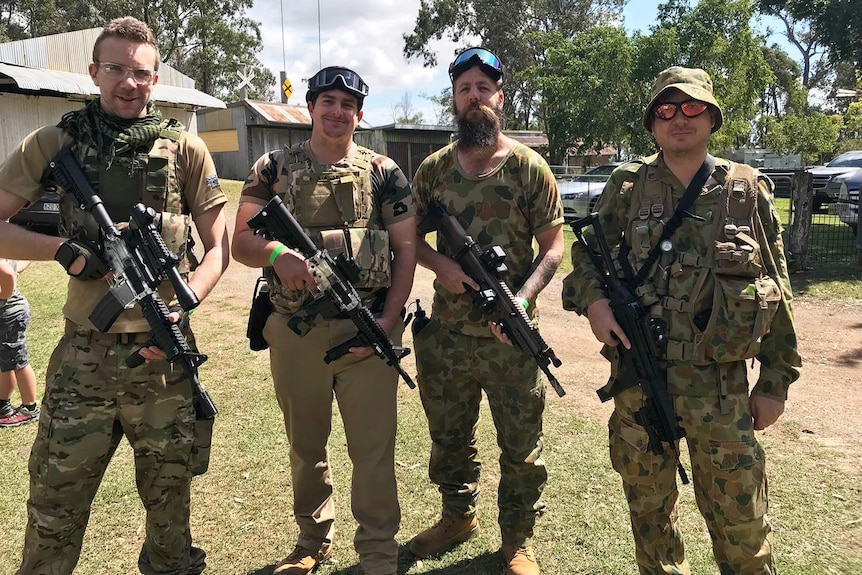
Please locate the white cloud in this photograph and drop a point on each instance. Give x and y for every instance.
(364, 35)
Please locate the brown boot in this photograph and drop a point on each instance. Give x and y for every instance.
(521, 560)
(302, 561)
(447, 533)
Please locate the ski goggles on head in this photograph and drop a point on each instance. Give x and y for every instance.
(470, 57)
(338, 77)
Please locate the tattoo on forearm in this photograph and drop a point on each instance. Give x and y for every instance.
(540, 275)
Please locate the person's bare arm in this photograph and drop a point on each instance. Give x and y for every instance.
(213, 233)
(7, 279)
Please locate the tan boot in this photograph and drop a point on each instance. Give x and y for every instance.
(521, 560)
(301, 561)
(445, 534)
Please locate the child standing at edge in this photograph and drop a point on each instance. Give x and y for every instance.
(15, 367)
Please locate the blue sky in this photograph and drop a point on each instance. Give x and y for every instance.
(366, 35)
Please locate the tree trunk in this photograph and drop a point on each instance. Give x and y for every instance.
(800, 226)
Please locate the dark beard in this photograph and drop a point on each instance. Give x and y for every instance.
(479, 134)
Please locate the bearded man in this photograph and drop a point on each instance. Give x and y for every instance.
(505, 195)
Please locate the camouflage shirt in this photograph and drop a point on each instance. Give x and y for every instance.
(507, 207)
(778, 355)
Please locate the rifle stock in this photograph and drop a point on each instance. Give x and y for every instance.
(333, 278)
(139, 261)
(657, 416)
(494, 297)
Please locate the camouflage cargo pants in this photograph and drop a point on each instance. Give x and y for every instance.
(728, 474)
(453, 369)
(91, 401)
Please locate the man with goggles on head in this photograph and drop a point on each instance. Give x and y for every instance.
(505, 195)
(699, 239)
(354, 201)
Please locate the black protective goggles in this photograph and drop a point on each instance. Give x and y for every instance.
(331, 76)
(470, 57)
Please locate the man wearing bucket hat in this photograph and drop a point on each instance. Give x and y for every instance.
(505, 195)
(351, 200)
(699, 241)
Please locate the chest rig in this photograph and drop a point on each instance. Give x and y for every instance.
(149, 178)
(335, 206)
(708, 287)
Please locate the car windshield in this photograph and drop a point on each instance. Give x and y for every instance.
(846, 161)
(604, 170)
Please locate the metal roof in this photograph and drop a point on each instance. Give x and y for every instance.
(39, 79)
(280, 113)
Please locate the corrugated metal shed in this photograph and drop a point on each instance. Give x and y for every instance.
(276, 113)
(38, 80)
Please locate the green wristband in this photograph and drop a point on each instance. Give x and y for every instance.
(275, 253)
(523, 301)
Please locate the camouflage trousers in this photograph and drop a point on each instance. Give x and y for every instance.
(453, 370)
(728, 475)
(91, 401)
(366, 392)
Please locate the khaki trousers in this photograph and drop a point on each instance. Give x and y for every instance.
(366, 394)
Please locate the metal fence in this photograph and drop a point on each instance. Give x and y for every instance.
(816, 233)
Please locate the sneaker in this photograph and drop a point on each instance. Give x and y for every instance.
(302, 561)
(444, 535)
(20, 416)
(6, 410)
(520, 560)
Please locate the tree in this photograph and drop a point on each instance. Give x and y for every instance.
(504, 28)
(574, 73)
(836, 23)
(812, 136)
(443, 115)
(404, 113)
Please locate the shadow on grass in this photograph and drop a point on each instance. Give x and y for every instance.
(818, 273)
(266, 570)
(487, 563)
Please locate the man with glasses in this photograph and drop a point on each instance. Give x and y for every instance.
(699, 241)
(129, 154)
(505, 195)
(354, 201)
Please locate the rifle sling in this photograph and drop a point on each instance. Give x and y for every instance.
(686, 201)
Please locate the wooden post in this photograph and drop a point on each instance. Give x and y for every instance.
(800, 228)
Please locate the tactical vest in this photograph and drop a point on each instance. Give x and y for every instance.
(128, 179)
(336, 209)
(711, 289)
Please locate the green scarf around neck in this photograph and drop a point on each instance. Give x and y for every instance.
(109, 134)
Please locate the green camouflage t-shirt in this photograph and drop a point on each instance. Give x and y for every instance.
(507, 207)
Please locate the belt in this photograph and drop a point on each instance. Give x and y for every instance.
(132, 338)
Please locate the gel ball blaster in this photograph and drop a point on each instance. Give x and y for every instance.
(494, 297)
(657, 415)
(139, 261)
(334, 278)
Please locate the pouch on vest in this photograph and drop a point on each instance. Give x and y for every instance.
(199, 461)
(369, 248)
(329, 200)
(261, 308)
(743, 310)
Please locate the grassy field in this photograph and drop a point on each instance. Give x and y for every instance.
(241, 511)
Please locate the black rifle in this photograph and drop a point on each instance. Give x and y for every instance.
(494, 297)
(139, 261)
(657, 415)
(334, 278)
